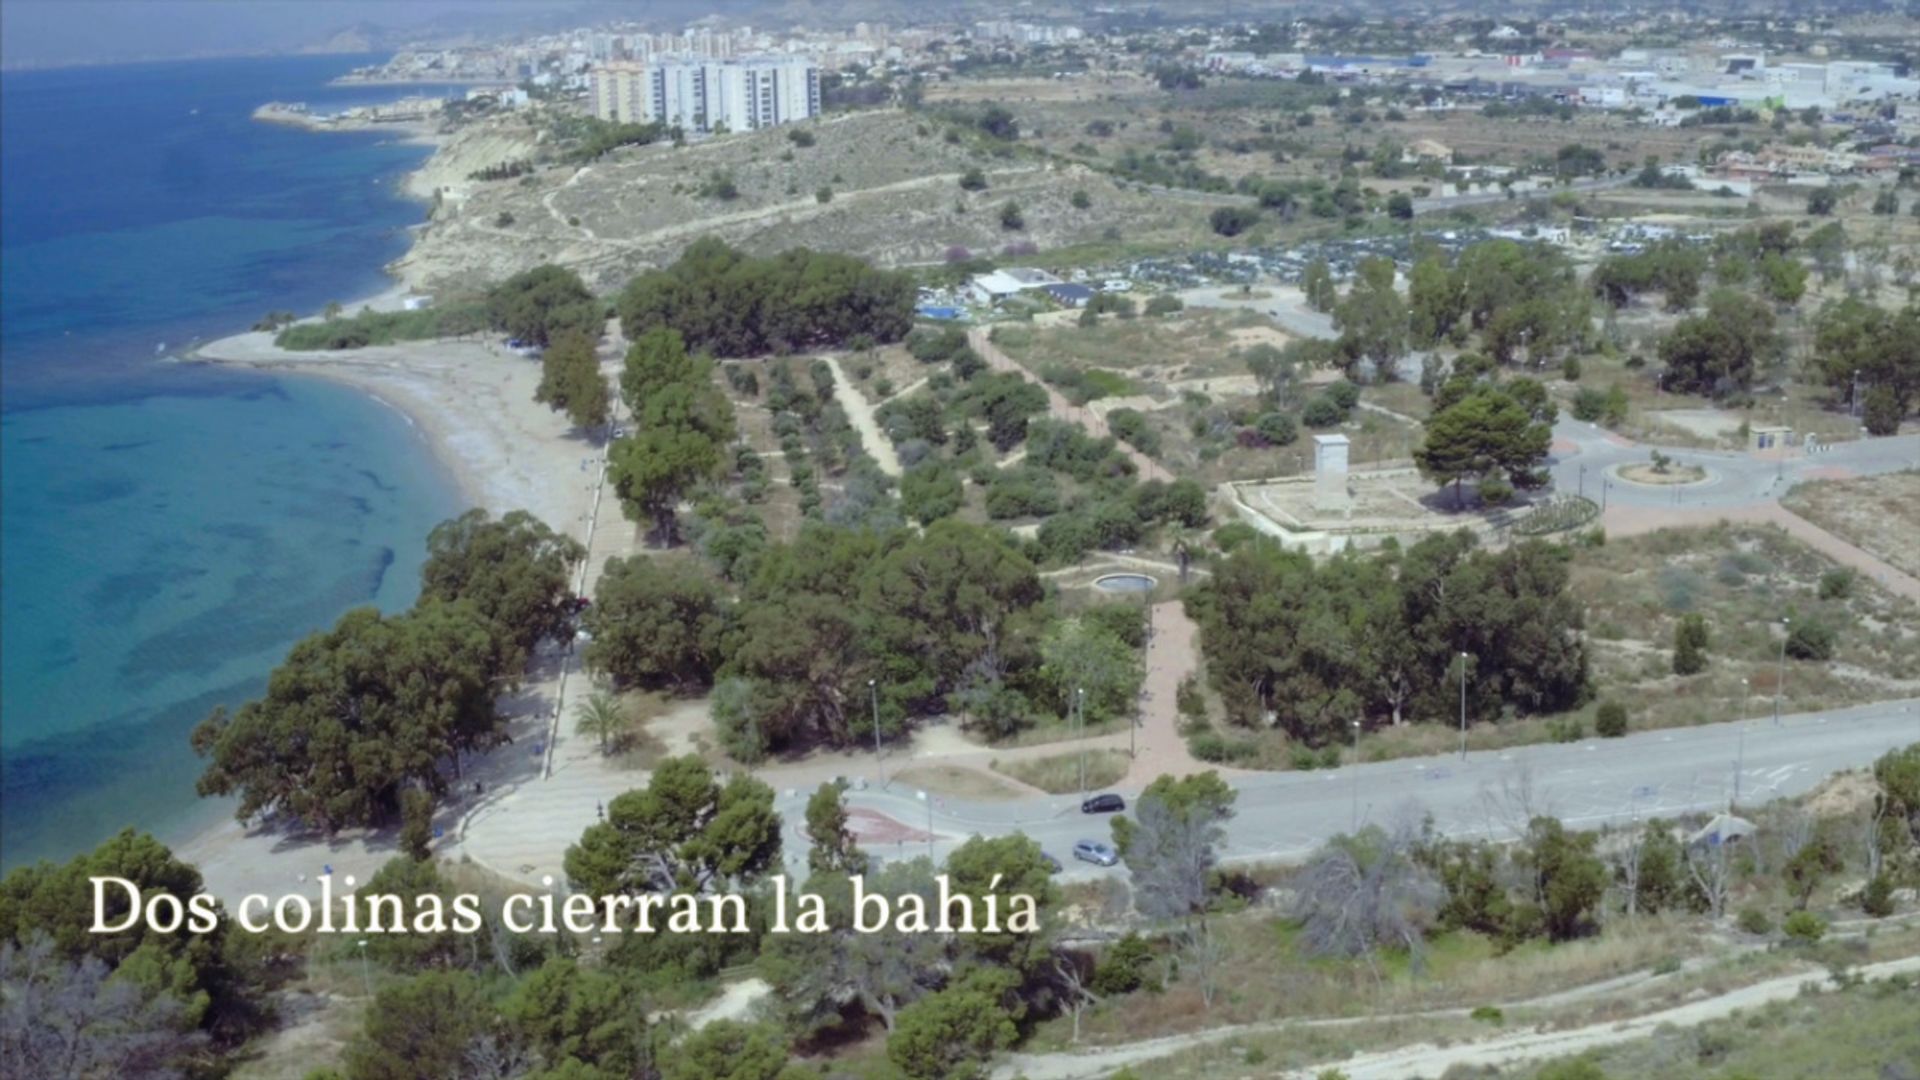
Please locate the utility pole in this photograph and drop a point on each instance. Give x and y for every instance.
(1780, 673)
(873, 691)
(1463, 706)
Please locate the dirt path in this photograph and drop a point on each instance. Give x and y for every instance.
(1059, 406)
(1632, 520)
(860, 415)
(1529, 1046)
(1428, 1060)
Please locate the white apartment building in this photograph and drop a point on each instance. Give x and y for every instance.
(707, 94)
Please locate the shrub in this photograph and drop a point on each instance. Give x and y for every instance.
(1122, 969)
(1877, 898)
(1754, 921)
(1690, 644)
(1589, 403)
(1610, 722)
(1837, 584)
(1804, 927)
(1233, 220)
(1010, 217)
(1489, 1014)
(503, 220)
(1810, 639)
(1345, 394)
(1233, 534)
(1165, 304)
(1278, 428)
(1080, 199)
(1570, 369)
(1322, 412)
(973, 180)
(1566, 729)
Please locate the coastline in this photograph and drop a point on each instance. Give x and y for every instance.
(471, 401)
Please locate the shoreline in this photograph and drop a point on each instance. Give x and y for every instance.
(470, 401)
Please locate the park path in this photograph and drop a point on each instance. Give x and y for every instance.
(1624, 520)
(1059, 406)
(860, 414)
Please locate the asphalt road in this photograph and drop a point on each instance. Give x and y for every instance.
(1733, 478)
(1284, 816)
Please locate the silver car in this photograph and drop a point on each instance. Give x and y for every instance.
(1095, 852)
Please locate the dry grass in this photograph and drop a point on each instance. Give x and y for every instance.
(1061, 774)
(959, 782)
(1880, 515)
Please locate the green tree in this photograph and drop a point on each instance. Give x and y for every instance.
(416, 824)
(515, 571)
(1483, 435)
(1011, 218)
(1821, 201)
(834, 849)
(683, 832)
(1568, 880)
(357, 713)
(1080, 655)
(594, 1017)
(420, 1029)
(951, 1035)
(544, 303)
(1690, 641)
(730, 1050)
(1434, 301)
(570, 381)
(930, 491)
(1372, 321)
(655, 624)
(1718, 353)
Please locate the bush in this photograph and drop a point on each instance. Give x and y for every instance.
(1566, 729)
(1754, 921)
(1804, 927)
(1837, 584)
(1233, 534)
(1122, 969)
(1690, 644)
(1233, 220)
(1345, 394)
(1165, 304)
(1610, 722)
(1278, 428)
(1322, 412)
(1810, 639)
(1589, 403)
(1570, 369)
(1489, 1014)
(973, 180)
(1877, 898)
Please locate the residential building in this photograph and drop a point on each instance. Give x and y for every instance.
(701, 94)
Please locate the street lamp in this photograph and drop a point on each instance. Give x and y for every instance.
(365, 977)
(1463, 706)
(873, 691)
(1080, 698)
(928, 799)
(1780, 674)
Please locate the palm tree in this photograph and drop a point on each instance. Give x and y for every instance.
(331, 311)
(601, 715)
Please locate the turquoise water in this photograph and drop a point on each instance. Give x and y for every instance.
(167, 530)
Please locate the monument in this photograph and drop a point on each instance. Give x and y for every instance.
(1330, 492)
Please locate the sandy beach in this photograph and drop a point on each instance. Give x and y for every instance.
(472, 401)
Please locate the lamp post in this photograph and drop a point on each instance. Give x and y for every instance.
(928, 799)
(1739, 766)
(1355, 819)
(366, 978)
(1780, 673)
(1080, 700)
(1463, 706)
(873, 691)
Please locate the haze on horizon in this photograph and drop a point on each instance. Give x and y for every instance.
(56, 33)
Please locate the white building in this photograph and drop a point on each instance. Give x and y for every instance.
(706, 94)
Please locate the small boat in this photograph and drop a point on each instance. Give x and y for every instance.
(160, 348)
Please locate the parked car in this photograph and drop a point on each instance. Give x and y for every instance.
(1108, 803)
(1053, 864)
(1095, 852)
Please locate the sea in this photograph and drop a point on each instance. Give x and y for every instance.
(169, 529)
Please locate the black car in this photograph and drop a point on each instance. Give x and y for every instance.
(1103, 804)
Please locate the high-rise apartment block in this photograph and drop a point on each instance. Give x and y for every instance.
(701, 94)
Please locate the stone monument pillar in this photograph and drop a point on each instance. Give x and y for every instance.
(1330, 474)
